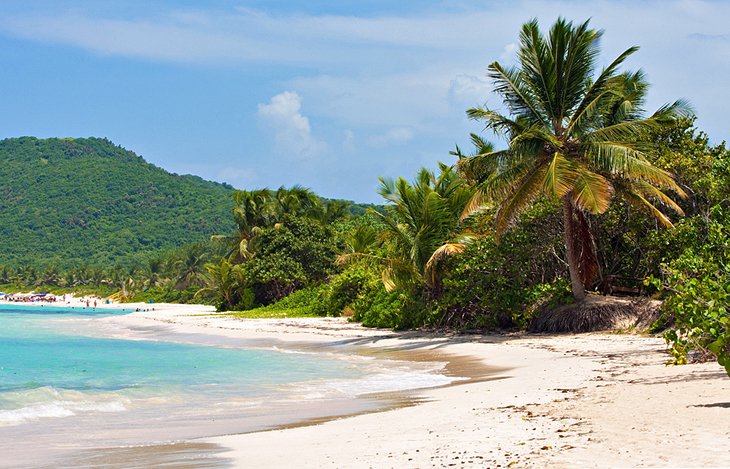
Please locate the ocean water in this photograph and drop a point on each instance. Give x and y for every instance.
(63, 392)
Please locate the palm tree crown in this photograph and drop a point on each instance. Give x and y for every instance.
(573, 136)
(421, 224)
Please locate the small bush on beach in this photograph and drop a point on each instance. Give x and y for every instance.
(301, 303)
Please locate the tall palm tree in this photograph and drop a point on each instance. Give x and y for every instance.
(574, 137)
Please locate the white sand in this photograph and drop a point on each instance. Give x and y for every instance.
(592, 400)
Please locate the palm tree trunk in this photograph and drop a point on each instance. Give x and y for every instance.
(569, 233)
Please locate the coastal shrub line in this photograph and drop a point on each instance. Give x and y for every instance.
(588, 195)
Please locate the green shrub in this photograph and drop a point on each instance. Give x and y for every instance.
(295, 253)
(496, 285)
(392, 310)
(343, 290)
(298, 304)
(697, 287)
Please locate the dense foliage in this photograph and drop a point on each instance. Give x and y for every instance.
(484, 243)
(575, 136)
(297, 252)
(75, 202)
(694, 275)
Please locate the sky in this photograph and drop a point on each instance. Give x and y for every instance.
(327, 94)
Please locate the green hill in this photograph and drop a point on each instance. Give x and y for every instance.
(69, 202)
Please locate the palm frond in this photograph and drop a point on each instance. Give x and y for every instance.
(641, 203)
(598, 88)
(440, 254)
(592, 192)
(527, 190)
(477, 202)
(625, 160)
(494, 121)
(503, 182)
(508, 83)
(647, 190)
(560, 176)
(670, 113)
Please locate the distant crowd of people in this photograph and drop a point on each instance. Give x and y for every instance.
(30, 298)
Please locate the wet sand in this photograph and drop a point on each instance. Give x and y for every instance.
(591, 400)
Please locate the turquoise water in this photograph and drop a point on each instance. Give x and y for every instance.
(59, 376)
(40, 362)
(32, 356)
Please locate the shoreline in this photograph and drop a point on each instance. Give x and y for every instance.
(589, 400)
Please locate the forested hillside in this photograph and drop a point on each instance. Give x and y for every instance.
(69, 202)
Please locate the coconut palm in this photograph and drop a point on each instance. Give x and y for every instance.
(297, 201)
(252, 213)
(154, 271)
(421, 227)
(224, 281)
(475, 170)
(574, 137)
(50, 276)
(328, 212)
(362, 239)
(5, 274)
(190, 265)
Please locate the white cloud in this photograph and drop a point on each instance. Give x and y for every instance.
(469, 89)
(201, 36)
(292, 132)
(177, 39)
(395, 136)
(508, 53)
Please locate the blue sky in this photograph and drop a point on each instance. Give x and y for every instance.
(327, 94)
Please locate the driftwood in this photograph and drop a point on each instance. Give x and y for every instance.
(597, 313)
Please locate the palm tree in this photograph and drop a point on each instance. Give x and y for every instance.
(330, 211)
(572, 137)
(5, 274)
(362, 239)
(252, 213)
(422, 219)
(51, 276)
(225, 281)
(475, 170)
(190, 265)
(297, 201)
(153, 271)
(259, 209)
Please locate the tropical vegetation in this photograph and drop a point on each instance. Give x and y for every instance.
(574, 137)
(589, 196)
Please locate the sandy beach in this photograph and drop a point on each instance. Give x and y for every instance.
(590, 400)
